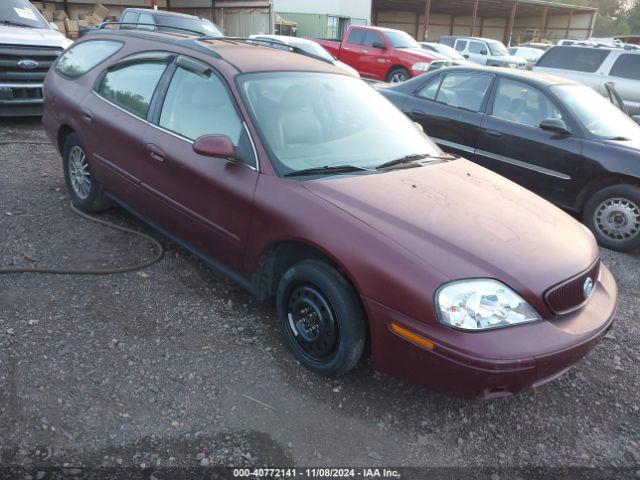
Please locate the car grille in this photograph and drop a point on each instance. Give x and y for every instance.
(12, 55)
(569, 295)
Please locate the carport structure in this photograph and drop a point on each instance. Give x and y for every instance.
(499, 19)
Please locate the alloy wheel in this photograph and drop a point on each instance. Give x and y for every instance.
(79, 173)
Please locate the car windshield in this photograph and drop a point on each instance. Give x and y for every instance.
(201, 25)
(309, 120)
(400, 39)
(449, 52)
(497, 48)
(596, 113)
(21, 13)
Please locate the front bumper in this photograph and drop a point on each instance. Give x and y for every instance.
(21, 99)
(494, 363)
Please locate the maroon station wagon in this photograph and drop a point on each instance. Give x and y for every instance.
(304, 184)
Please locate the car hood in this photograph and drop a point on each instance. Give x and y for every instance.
(421, 55)
(466, 221)
(633, 144)
(39, 37)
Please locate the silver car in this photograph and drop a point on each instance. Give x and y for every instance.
(595, 67)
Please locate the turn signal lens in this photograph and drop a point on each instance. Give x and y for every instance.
(412, 337)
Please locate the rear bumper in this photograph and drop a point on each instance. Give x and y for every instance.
(488, 365)
(21, 99)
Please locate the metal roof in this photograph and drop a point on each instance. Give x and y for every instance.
(486, 8)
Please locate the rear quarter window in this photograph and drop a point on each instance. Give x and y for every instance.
(81, 58)
(627, 66)
(578, 59)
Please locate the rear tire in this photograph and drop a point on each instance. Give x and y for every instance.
(398, 75)
(321, 318)
(85, 191)
(613, 215)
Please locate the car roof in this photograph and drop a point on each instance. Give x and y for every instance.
(162, 12)
(244, 56)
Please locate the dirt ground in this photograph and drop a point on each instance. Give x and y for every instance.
(176, 366)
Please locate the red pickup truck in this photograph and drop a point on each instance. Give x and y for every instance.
(383, 54)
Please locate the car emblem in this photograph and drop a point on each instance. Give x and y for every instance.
(587, 287)
(28, 64)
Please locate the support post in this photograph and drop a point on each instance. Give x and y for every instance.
(569, 20)
(508, 33)
(474, 16)
(593, 19)
(427, 19)
(545, 17)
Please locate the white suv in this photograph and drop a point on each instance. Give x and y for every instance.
(484, 51)
(595, 67)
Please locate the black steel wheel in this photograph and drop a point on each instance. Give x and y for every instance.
(321, 317)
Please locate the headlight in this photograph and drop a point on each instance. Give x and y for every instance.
(421, 67)
(482, 304)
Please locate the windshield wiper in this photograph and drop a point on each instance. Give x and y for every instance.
(412, 159)
(15, 24)
(327, 170)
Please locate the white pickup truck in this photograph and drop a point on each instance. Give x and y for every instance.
(28, 46)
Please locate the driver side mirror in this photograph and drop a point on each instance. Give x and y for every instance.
(636, 118)
(484, 52)
(219, 146)
(555, 125)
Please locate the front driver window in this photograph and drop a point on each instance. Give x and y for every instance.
(520, 103)
(198, 104)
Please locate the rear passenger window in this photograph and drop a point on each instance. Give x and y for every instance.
(129, 17)
(429, 90)
(627, 66)
(356, 37)
(81, 58)
(199, 104)
(574, 58)
(131, 87)
(147, 20)
(464, 90)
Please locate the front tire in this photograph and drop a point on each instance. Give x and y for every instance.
(321, 318)
(398, 75)
(613, 215)
(85, 191)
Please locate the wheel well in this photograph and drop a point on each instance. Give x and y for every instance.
(394, 67)
(600, 183)
(63, 133)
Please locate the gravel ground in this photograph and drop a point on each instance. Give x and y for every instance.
(176, 366)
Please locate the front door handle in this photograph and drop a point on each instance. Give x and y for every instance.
(494, 133)
(418, 113)
(155, 152)
(87, 116)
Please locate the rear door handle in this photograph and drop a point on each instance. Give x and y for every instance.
(155, 152)
(494, 133)
(87, 116)
(418, 113)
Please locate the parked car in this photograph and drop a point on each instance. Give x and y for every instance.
(539, 46)
(456, 58)
(304, 46)
(28, 46)
(596, 66)
(484, 51)
(163, 20)
(531, 55)
(302, 183)
(552, 135)
(383, 54)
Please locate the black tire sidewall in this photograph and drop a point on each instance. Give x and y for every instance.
(346, 306)
(398, 70)
(630, 192)
(95, 198)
